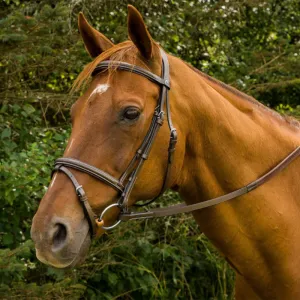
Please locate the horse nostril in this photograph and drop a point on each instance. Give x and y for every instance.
(59, 236)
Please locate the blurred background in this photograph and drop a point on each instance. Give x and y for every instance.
(253, 45)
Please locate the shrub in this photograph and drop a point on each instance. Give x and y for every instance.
(28, 150)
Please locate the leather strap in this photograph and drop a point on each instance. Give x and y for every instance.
(183, 208)
(132, 68)
(284, 163)
(88, 212)
(91, 170)
(173, 133)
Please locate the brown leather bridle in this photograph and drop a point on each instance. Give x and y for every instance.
(125, 184)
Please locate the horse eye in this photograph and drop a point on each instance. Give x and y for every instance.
(131, 113)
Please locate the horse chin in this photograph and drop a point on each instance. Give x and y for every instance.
(75, 259)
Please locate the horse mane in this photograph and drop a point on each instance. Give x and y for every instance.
(289, 120)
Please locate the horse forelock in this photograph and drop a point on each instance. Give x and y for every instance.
(115, 53)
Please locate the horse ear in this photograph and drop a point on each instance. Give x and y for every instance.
(94, 41)
(138, 32)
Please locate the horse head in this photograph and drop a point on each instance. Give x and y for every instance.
(110, 121)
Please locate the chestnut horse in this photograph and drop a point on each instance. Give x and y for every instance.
(226, 139)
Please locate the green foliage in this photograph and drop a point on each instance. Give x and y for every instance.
(284, 108)
(146, 262)
(138, 260)
(28, 151)
(55, 59)
(19, 275)
(254, 45)
(296, 112)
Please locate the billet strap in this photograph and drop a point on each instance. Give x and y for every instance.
(183, 208)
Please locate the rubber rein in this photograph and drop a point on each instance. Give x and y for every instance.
(125, 183)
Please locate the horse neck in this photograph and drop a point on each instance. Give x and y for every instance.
(229, 142)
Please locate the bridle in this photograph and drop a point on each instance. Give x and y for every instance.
(126, 182)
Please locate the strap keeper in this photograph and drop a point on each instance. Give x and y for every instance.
(173, 134)
(159, 121)
(173, 140)
(80, 192)
(159, 117)
(172, 145)
(145, 156)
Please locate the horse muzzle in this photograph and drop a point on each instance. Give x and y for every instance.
(60, 242)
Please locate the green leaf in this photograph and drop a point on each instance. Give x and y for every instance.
(29, 109)
(112, 278)
(8, 239)
(175, 38)
(6, 133)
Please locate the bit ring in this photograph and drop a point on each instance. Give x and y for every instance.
(104, 212)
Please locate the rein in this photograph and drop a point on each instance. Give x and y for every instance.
(125, 183)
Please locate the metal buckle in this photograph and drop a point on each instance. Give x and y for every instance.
(103, 213)
(79, 191)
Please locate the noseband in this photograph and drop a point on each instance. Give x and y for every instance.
(125, 184)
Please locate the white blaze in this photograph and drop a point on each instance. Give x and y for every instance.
(53, 180)
(69, 147)
(100, 89)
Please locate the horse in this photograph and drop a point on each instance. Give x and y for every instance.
(225, 140)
